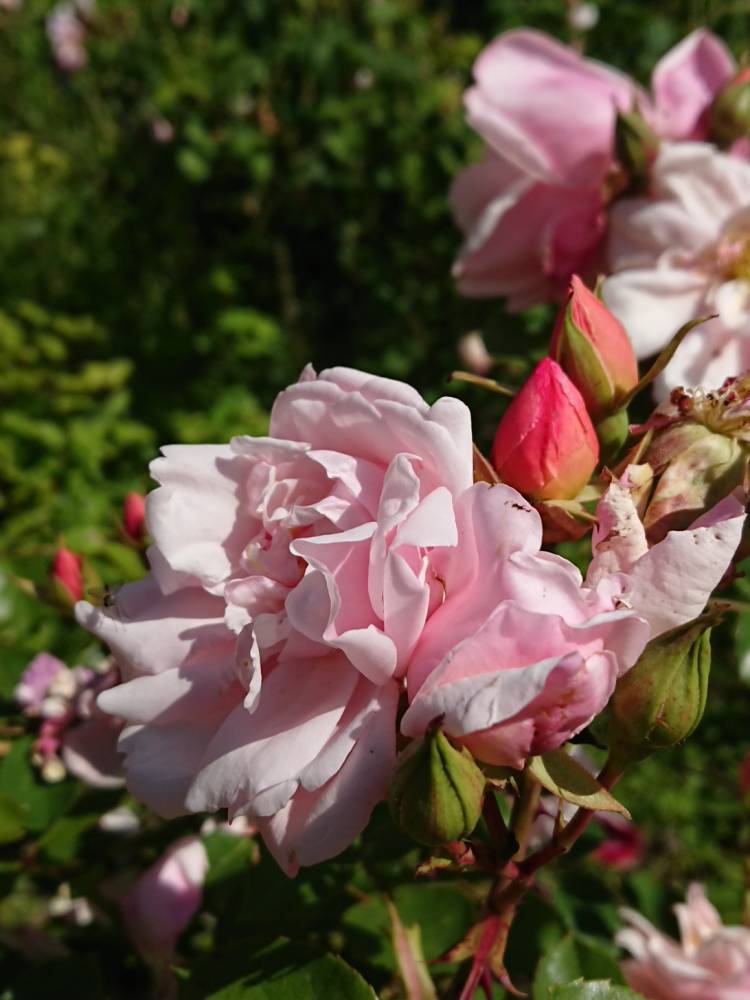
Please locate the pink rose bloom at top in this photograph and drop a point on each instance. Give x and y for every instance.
(682, 253)
(710, 962)
(290, 582)
(533, 211)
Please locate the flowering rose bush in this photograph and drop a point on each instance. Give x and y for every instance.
(534, 210)
(710, 962)
(297, 579)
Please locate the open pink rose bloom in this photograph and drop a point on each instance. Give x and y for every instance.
(534, 210)
(305, 583)
(709, 962)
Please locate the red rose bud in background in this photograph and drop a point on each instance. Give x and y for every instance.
(134, 517)
(545, 445)
(729, 115)
(67, 576)
(595, 353)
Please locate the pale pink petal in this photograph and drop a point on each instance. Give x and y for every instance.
(564, 138)
(376, 421)
(619, 538)
(686, 80)
(671, 583)
(315, 826)
(196, 517)
(149, 632)
(251, 754)
(89, 752)
(652, 304)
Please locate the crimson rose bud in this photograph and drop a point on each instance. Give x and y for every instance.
(593, 350)
(134, 517)
(67, 575)
(545, 445)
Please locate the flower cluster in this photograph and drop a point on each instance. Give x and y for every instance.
(585, 172)
(74, 735)
(305, 584)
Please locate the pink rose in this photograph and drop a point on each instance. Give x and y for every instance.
(290, 583)
(521, 656)
(166, 897)
(710, 962)
(525, 654)
(533, 211)
(681, 253)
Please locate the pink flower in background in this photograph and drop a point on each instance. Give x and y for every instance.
(534, 210)
(32, 688)
(74, 736)
(710, 962)
(681, 253)
(290, 584)
(11, 4)
(66, 30)
(624, 846)
(166, 897)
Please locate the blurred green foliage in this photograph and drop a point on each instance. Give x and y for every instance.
(229, 189)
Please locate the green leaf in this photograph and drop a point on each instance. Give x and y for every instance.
(664, 358)
(598, 989)
(12, 816)
(276, 975)
(560, 965)
(560, 774)
(42, 803)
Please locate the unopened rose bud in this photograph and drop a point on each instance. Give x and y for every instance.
(545, 445)
(660, 701)
(437, 792)
(636, 146)
(134, 517)
(729, 116)
(67, 576)
(594, 351)
(699, 453)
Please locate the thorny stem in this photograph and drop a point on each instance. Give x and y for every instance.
(509, 895)
(524, 813)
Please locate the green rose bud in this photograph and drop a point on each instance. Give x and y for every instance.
(636, 146)
(729, 116)
(660, 701)
(437, 793)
